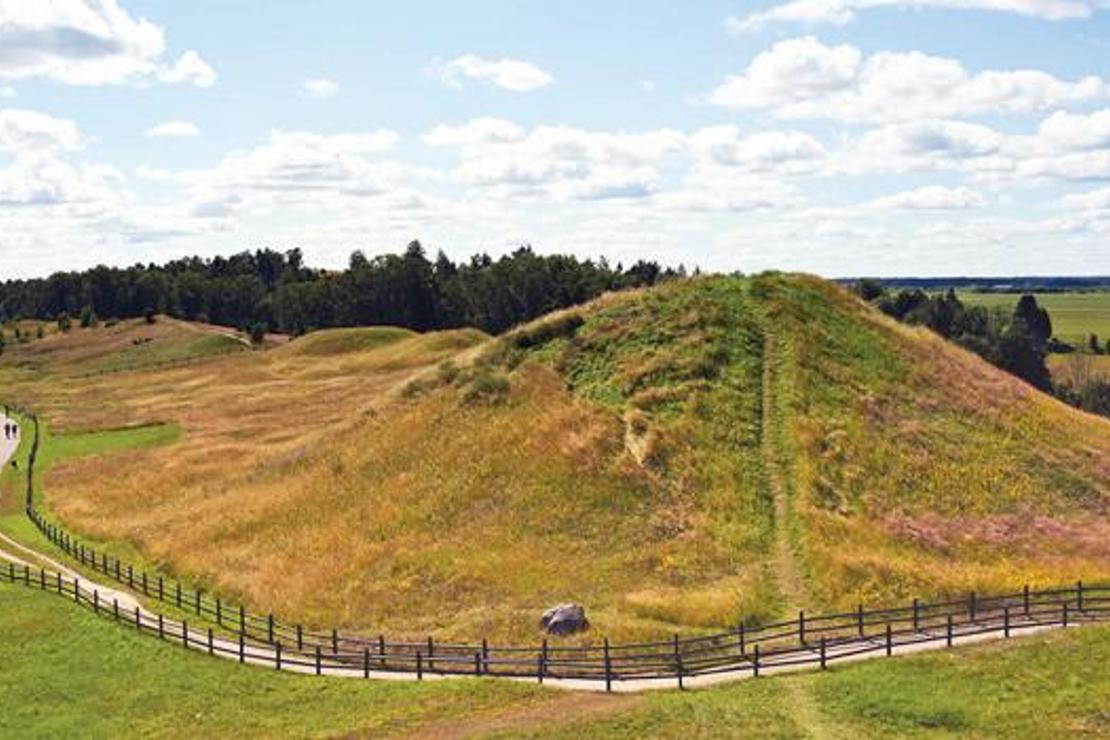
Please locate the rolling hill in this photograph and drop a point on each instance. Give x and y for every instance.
(676, 459)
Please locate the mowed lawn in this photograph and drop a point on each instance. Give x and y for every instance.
(1074, 315)
(72, 674)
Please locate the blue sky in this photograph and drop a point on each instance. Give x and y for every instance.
(841, 137)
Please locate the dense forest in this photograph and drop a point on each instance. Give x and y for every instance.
(1017, 341)
(267, 290)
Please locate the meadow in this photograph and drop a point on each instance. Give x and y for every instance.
(678, 459)
(1075, 316)
(105, 681)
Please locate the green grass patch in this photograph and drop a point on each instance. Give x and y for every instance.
(163, 351)
(71, 674)
(1036, 687)
(1074, 315)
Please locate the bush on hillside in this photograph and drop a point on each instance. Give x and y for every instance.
(486, 386)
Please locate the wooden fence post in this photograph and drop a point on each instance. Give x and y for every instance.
(971, 607)
(477, 662)
(317, 660)
(130, 577)
(161, 628)
(678, 663)
(219, 612)
(300, 639)
(431, 654)
(743, 648)
(334, 641)
(115, 609)
(277, 655)
(1006, 621)
(96, 602)
(1065, 613)
(1025, 598)
(185, 632)
(543, 660)
(889, 643)
(823, 665)
(242, 620)
(198, 602)
(179, 594)
(755, 662)
(145, 592)
(270, 628)
(242, 648)
(366, 662)
(210, 642)
(608, 668)
(949, 632)
(916, 615)
(1079, 595)
(161, 588)
(802, 627)
(859, 620)
(419, 666)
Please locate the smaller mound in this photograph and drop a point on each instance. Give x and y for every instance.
(125, 346)
(327, 342)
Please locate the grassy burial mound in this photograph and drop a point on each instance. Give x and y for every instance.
(674, 458)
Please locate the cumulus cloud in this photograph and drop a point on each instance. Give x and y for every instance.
(173, 129)
(514, 75)
(476, 131)
(29, 130)
(791, 152)
(89, 42)
(930, 198)
(319, 88)
(1093, 200)
(804, 78)
(842, 12)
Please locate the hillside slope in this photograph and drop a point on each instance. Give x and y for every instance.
(675, 459)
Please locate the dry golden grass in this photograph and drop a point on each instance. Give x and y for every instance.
(352, 478)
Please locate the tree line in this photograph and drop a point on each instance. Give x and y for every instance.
(1016, 341)
(268, 290)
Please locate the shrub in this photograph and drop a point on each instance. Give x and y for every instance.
(64, 322)
(564, 325)
(258, 334)
(487, 386)
(447, 372)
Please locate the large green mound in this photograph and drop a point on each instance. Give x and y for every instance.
(676, 459)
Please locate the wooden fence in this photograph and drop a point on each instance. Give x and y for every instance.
(817, 640)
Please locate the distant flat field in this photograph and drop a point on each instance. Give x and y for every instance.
(1074, 315)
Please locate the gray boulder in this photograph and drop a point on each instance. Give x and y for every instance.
(564, 619)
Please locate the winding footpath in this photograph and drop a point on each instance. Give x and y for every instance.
(30, 568)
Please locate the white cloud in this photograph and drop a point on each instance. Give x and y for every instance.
(804, 78)
(1093, 200)
(791, 152)
(842, 12)
(1068, 131)
(28, 130)
(930, 198)
(319, 88)
(175, 129)
(474, 132)
(648, 86)
(189, 69)
(7, 92)
(89, 42)
(514, 75)
(562, 161)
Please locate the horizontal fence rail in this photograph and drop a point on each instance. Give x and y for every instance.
(230, 630)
